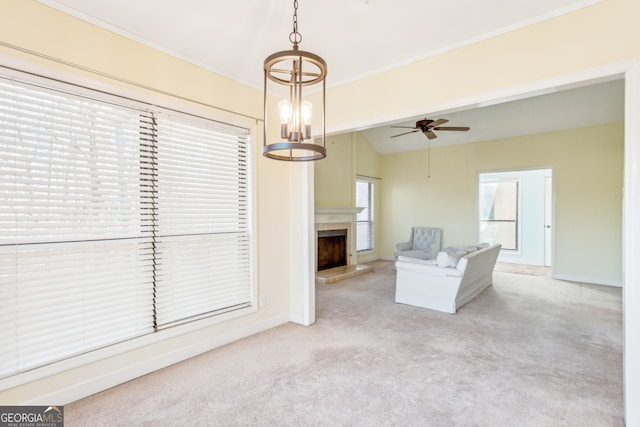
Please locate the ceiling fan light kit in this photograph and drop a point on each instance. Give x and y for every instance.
(297, 70)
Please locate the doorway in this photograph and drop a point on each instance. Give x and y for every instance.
(515, 208)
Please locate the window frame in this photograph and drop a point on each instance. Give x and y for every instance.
(518, 214)
(38, 74)
(371, 220)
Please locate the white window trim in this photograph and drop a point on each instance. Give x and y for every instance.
(360, 178)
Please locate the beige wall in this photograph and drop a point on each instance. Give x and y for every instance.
(587, 165)
(368, 161)
(348, 155)
(335, 174)
(32, 26)
(591, 37)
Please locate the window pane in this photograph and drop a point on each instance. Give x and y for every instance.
(364, 219)
(203, 227)
(363, 233)
(499, 213)
(75, 257)
(362, 200)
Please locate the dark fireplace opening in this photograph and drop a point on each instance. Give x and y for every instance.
(332, 248)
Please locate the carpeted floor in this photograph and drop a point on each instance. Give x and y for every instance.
(531, 270)
(529, 351)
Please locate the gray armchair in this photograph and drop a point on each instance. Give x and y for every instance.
(424, 243)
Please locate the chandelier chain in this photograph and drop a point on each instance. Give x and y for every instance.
(295, 37)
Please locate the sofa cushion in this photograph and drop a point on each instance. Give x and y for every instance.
(449, 259)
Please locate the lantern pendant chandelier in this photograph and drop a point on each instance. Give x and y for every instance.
(295, 69)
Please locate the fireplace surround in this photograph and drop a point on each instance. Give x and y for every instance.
(337, 218)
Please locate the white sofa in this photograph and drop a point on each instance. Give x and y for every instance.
(424, 284)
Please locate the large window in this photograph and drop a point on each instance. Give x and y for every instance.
(364, 219)
(117, 220)
(500, 212)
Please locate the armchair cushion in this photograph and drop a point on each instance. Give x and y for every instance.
(424, 243)
(404, 246)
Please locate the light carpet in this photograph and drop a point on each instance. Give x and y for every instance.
(528, 351)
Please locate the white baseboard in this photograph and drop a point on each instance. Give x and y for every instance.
(590, 280)
(520, 261)
(122, 374)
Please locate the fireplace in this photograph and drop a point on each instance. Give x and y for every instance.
(336, 220)
(332, 248)
(336, 256)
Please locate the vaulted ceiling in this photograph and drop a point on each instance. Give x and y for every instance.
(595, 104)
(357, 38)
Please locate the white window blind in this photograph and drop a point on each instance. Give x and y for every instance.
(75, 257)
(203, 234)
(114, 222)
(364, 219)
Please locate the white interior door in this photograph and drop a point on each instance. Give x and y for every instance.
(548, 218)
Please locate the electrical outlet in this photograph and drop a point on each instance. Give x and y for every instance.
(262, 300)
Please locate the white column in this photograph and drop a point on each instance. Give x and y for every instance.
(631, 242)
(302, 293)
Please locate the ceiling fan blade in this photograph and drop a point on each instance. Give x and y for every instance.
(400, 134)
(430, 135)
(437, 123)
(465, 128)
(403, 127)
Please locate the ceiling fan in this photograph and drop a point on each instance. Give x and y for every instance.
(427, 126)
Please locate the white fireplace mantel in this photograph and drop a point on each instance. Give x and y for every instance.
(328, 214)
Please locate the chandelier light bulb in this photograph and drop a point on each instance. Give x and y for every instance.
(286, 109)
(307, 109)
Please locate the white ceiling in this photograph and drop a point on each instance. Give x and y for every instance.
(356, 38)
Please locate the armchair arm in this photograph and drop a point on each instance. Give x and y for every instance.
(404, 246)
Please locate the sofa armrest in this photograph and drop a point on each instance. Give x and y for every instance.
(404, 246)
